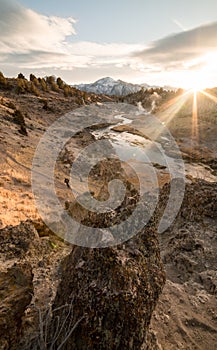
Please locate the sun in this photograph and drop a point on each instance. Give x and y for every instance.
(198, 86)
(196, 83)
(204, 76)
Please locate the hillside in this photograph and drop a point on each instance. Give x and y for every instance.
(192, 121)
(127, 281)
(26, 111)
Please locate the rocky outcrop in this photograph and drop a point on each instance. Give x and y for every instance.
(185, 316)
(17, 246)
(16, 290)
(17, 241)
(111, 294)
(29, 261)
(190, 249)
(106, 296)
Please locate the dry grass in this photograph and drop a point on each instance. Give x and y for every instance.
(16, 198)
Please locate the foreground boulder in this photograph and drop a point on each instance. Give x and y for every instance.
(106, 297)
(16, 290)
(25, 248)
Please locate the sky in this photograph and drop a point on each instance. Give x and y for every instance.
(168, 42)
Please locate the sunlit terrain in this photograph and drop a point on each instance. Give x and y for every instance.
(194, 95)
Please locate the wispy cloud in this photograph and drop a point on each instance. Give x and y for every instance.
(32, 42)
(35, 41)
(176, 50)
(23, 30)
(175, 21)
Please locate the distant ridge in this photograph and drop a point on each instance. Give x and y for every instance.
(109, 86)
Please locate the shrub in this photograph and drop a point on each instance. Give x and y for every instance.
(55, 87)
(21, 76)
(51, 79)
(67, 91)
(11, 105)
(44, 85)
(3, 80)
(60, 83)
(34, 89)
(18, 118)
(45, 105)
(32, 77)
(21, 86)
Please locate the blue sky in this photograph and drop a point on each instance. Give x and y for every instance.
(129, 21)
(84, 40)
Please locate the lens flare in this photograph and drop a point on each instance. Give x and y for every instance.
(172, 107)
(195, 132)
(211, 97)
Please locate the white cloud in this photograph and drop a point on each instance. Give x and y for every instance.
(23, 30)
(177, 50)
(34, 41)
(77, 55)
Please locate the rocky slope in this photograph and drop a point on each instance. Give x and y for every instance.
(121, 281)
(191, 118)
(187, 307)
(185, 317)
(24, 117)
(100, 285)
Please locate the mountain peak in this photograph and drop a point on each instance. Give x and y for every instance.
(109, 86)
(105, 80)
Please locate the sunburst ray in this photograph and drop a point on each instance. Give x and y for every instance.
(172, 107)
(211, 97)
(195, 131)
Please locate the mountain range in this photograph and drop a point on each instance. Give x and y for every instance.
(109, 86)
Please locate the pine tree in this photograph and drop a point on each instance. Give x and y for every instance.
(50, 80)
(32, 77)
(21, 76)
(55, 87)
(21, 88)
(60, 83)
(44, 85)
(3, 80)
(34, 89)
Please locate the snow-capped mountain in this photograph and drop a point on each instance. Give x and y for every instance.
(109, 86)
